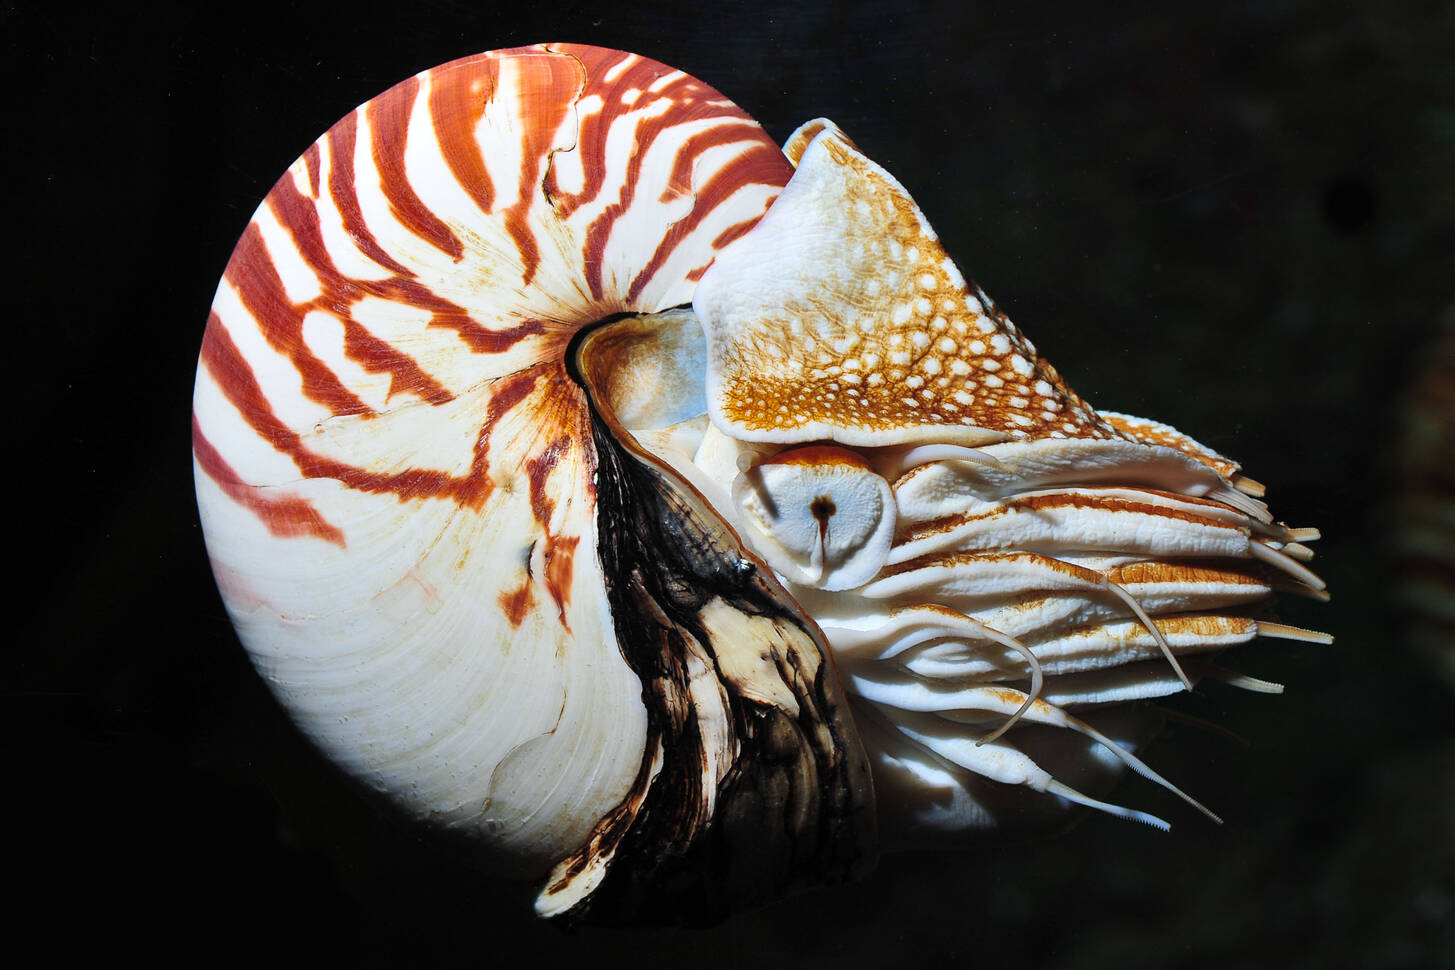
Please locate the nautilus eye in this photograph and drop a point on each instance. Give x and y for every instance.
(663, 513)
(818, 515)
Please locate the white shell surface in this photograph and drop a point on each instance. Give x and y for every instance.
(394, 470)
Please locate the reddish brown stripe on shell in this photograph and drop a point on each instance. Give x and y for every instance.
(516, 603)
(591, 142)
(549, 88)
(560, 560)
(736, 231)
(298, 215)
(539, 469)
(310, 164)
(457, 97)
(541, 89)
(341, 138)
(226, 365)
(253, 275)
(692, 101)
(285, 516)
(680, 181)
(761, 167)
(388, 117)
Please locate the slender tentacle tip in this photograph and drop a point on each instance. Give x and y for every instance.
(604, 484)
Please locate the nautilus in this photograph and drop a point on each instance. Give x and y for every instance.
(665, 515)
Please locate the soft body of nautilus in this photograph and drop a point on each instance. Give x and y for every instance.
(661, 511)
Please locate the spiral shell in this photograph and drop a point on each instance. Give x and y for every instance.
(636, 597)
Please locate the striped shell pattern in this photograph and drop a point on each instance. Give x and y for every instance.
(659, 511)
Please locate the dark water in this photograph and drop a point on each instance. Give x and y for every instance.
(1240, 221)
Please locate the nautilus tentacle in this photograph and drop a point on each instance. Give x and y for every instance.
(644, 504)
(1035, 540)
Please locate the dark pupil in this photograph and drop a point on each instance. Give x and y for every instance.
(823, 507)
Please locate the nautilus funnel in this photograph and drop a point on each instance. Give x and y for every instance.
(665, 515)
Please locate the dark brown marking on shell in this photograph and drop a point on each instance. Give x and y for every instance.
(560, 551)
(516, 603)
(789, 812)
(695, 616)
(284, 515)
(388, 117)
(560, 556)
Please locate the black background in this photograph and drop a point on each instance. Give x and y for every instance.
(1238, 218)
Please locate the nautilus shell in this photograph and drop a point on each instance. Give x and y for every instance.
(663, 512)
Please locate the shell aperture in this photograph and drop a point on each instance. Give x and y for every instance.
(635, 597)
